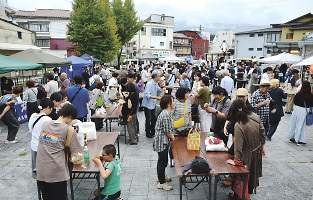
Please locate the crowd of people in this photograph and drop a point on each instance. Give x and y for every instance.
(174, 98)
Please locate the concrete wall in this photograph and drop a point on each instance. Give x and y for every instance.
(244, 42)
(9, 34)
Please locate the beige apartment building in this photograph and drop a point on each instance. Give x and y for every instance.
(182, 44)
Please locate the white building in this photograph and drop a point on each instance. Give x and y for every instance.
(156, 36)
(257, 43)
(217, 43)
(50, 26)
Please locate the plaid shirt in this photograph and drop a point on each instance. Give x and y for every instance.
(164, 125)
(263, 111)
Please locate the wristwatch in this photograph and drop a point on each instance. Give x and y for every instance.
(216, 112)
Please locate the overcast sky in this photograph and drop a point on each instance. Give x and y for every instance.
(196, 12)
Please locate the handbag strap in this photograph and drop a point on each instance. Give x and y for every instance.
(37, 120)
(76, 94)
(306, 108)
(69, 136)
(196, 129)
(185, 108)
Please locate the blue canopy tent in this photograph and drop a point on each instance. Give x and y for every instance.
(78, 65)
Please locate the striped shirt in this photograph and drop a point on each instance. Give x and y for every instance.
(164, 125)
(178, 112)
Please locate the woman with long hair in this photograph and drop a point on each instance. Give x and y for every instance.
(249, 142)
(129, 112)
(297, 126)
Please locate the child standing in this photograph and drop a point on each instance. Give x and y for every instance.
(111, 173)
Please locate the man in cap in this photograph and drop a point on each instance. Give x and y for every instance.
(262, 101)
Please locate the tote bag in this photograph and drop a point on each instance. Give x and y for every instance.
(309, 116)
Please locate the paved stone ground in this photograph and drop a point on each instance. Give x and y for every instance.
(287, 170)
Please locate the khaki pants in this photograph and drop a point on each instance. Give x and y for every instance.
(290, 102)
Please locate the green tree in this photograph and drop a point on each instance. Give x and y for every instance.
(92, 29)
(127, 22)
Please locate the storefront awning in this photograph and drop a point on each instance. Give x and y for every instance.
(16, 47)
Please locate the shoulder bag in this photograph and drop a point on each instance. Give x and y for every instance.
(67, 148)
(75, 94)
(181, 122)
(309, 116)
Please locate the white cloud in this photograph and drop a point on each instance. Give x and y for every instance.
(196, 12)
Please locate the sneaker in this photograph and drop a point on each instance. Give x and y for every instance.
(268, 139)
(167, 179)
(10, 142)
(292, 141)
(164, 186)
(301, 143)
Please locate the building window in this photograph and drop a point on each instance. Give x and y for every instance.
(251, 49)
(19, 35)
(278, 35)
(43, 43)
(179, 49)
(143, 30)
(206, 49)
(273, 37)
(260, 34)
(162, 44)
(289, 35)
(196, 47)
(251, 35)
(268, 51)
(158, 32)
(259, 49)
(201, 47)
(39, 27)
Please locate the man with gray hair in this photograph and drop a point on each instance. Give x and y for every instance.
(149, 102)
(66, 83)
(184, 82)
(227, 83)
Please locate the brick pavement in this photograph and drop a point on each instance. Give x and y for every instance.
(287, 170)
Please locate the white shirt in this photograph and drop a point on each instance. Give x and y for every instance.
(36, 131)
(265, 76)
(52, 86)
(144, 75)
(105, 73)
(112, 82)
(196, 85)
(228, 84)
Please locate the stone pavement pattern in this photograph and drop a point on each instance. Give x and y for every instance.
(287, 170)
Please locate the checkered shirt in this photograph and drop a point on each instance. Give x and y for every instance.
(164, 125)
(264, 111)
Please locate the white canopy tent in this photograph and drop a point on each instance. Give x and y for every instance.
(172, 58)
(282, 58)
(307, 61)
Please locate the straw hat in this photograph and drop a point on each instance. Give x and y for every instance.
(112, 69)
(265, 82)
(242, 92)
(274, 82)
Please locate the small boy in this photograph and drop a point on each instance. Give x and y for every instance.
(111, 173)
